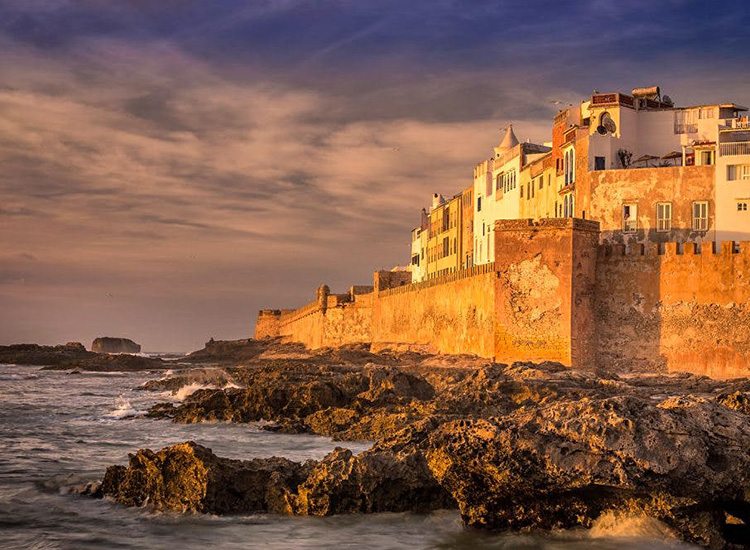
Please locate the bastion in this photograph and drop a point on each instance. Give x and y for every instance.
(553, 293)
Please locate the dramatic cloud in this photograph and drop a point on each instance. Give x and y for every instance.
(167, 168)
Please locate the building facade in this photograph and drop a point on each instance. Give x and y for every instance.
(646, 170)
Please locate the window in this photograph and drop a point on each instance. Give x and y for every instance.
(742, 206)
(738, 172)
(572, 211)
(629, 217)
(549, 180)
(700, 216)
(541, 182)
(479, 204)
(599, 163)
(569, 167)
(706, 158)
(565, 202)
(446, 247)
(522, 191)
(663, 216)
(532, 189)
(706, 112)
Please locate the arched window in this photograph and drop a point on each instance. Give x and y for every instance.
(565, 202)
(572, 207)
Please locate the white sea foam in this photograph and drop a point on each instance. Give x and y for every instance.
(189, 389)
(123, 409)
(610, 525)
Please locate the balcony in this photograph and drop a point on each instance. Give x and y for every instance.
(734, 148)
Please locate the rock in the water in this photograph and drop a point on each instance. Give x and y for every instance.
(190, 478)
(519, 447)
(33, 354)
(108, 344)
(682, 461)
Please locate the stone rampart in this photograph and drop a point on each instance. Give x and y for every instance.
(555, 294)
(670, 307)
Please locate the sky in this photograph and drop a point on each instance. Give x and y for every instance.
(168, 168)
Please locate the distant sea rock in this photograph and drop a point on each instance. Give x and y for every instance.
(33, 354)
(115, 345)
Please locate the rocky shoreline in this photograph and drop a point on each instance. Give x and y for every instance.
(74, 356)
(517, 447)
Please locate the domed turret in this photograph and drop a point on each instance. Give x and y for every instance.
(509, 141)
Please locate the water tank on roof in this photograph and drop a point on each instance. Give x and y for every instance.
(651, 92)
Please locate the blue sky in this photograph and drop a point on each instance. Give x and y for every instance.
(170, 167)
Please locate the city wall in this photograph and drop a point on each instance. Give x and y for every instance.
(554, 293)
(450, 314)
(675, 308)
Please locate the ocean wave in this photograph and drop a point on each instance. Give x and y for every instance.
(13, 376)
(614, 525)
(189, 389)
(123, 409)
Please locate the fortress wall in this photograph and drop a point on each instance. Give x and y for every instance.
(331, 320)
(267, 325)
(554, 294)
(349, 322)
(677, 311)
(545, 289)
(455, 316)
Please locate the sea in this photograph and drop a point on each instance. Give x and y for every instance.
(59, 431)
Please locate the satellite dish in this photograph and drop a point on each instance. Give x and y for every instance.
(667, 100)
(608, 123)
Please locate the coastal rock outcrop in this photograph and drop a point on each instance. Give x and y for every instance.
(190, 478)
(107, 344)
(515, 447)
(682, 461)
(34, 354)
(74, 356)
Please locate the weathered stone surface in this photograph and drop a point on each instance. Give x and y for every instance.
(107, 344)
(190, 478)
(564, 465)
(520, 447)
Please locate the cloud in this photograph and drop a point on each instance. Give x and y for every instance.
(201, 164)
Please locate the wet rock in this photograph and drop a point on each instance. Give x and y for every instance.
(190, 478)
(561, 466)
(373, 481)
(516, 447)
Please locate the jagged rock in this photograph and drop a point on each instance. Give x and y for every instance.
(520, 447)
(682, 461)
(373, 481)
(190, 478)
(738, 401)
(107, 344)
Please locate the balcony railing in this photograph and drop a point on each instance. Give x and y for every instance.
(734, 148)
